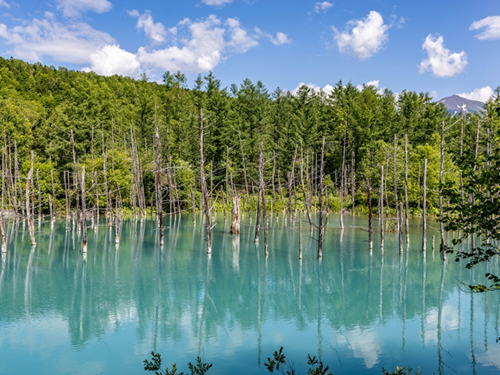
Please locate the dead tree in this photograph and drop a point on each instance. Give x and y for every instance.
(204, 191)
(400, 227)
(424, 204)
(441, 176)
(39, 199)
(193, 206)
(17, 178)
(244, 173)
(31, 224)
(117, 222)
(407, 206)
(471, 196)
(394, 170)
(84, 213)
(257, 219)
(159, 203)
(53, 213)
(304, 191)
(353, 179)
(75, 180)
(235, 210)
(321, 224)
(263, 196)
(381, 213)
(2, 233)
(342, 180)
(370, 221)
(95, 210)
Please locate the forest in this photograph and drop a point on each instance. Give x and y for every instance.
(111, 144)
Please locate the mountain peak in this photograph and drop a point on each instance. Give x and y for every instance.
(456, 104)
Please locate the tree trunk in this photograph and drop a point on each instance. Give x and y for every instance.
(159, 201)
(84, 213)
(263, 197)
(321, 225)
(370, 223)
(53, 213)
(441, 176)
(381, 214)
(235, 215)
(204, 191)
(300, 235)
(407, 205)
(424, 208)
(193, 206)
(29, 183)
(396, 205)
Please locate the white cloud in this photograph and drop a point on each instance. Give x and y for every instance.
(322, 6)
(71, 43)
(73, 8)
(216, 2)
(240, 40)
(281, 38)
(482, 94)
(327, 89)
(203, 49)
(363, 37)
(111, 59)
(154, 31)
(373, 83)
(441, 61)
(3, 3)
(491, 26)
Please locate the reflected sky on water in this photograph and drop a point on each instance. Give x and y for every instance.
(63, 312)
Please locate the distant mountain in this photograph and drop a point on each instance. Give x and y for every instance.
(456, 104)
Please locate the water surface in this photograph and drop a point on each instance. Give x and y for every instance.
(359, 311)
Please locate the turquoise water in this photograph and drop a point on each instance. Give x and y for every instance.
(358, 311)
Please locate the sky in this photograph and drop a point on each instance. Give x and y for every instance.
(439, 47)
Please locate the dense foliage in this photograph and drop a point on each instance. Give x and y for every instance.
(40, 106)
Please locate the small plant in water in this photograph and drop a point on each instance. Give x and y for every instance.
(279, 364)
(155, 366)
(400, 371)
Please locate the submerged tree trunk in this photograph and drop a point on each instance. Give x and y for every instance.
(396, 205)
(159, 202)
(321, 225)
(424, 208)
(31, 224)
(441, 176)
(235, 215)
(84, 213)
(407, 205)
(263, 197)
(204, 191)
(370, 224)
(381, 214)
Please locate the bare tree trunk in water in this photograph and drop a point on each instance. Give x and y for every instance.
(263, 196)
(441, 176)
(321, 225)
(424, 209)
(204, 191)
(370, 223)
(407, 205)
(381, 214)
(31, 224)
(84, 214)
(159, 201)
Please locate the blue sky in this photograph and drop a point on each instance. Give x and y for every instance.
(440, 47)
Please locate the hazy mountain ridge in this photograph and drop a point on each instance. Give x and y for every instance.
(455, 104)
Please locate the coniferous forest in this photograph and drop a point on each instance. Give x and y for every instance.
(76, 142)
